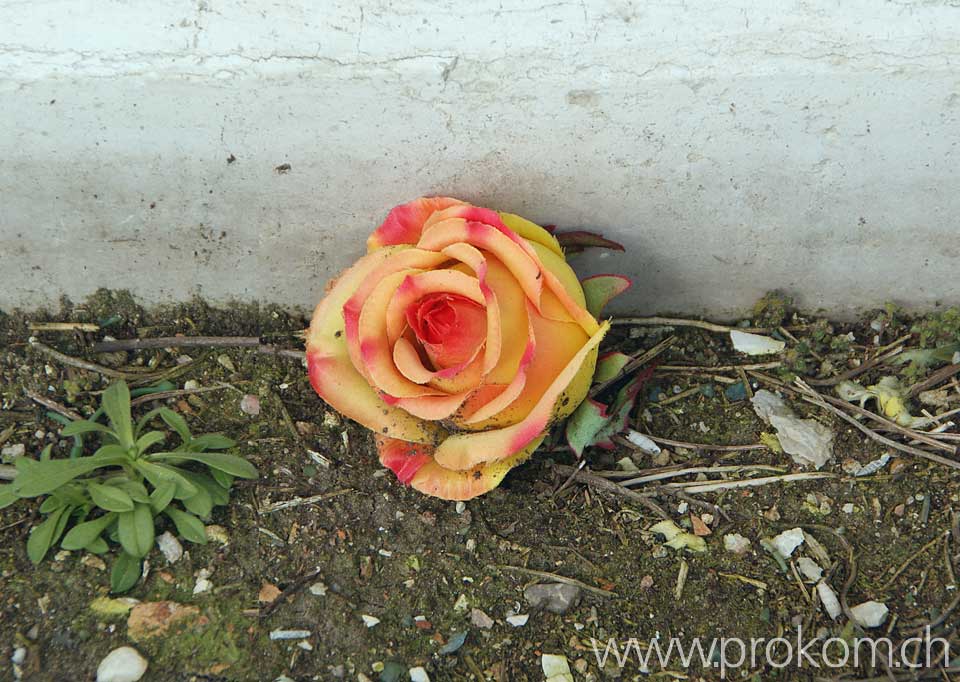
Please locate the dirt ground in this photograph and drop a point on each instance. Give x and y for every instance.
(364, 546)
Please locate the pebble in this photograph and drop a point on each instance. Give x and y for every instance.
(318, 590)
(19, 656)
(225, 362)
(481, 619)
(94, 562)
(122, 665)
(370, 621)
(250, 404)
(170, 547)
(810, 569)
(646, 582)
(203, 583)
(554, 597)
(15, 450)
(518, 620)
(736, 543)
(191, 385)
(847, 508)
(418, 674)
(870, 614)
(788, 541)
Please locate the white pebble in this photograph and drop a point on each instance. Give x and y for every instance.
(788, 541)
(643, 442)
(870, 614)
(829, 599)
(122, 665)
(170, 547)
(518, 620)
(418, 674)
(370, 621)
(15, 450)
(318, 590)
(809, 569)
(736, 543)
(203, 582)
(191, 385)
(19, 656)
(847, 508)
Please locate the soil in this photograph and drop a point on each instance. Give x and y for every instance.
(367, 546)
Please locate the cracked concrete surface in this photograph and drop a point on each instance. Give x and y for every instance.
(734, 146)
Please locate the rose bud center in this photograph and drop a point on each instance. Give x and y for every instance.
(450, 327)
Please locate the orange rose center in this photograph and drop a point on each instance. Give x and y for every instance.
(451, 328)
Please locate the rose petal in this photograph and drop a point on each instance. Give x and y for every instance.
(473, 258)
(531, 232)
(405, 222)
(333, 375)
(414, 465)
(464, 451)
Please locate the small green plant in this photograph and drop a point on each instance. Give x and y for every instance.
(121, 490)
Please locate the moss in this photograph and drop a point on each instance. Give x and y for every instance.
(772, 310)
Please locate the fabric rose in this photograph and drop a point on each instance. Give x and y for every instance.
(458, 339)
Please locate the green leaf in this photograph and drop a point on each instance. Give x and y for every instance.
(162, 495)
(211, 441)
(7, 496)
(110, 498)
(177, 423)
(81, 426)
(44, 535)
(223, 478)
(135, 489)
(149, 439)
(98, 546)
(230, 464)
(218, 494)
(158, 474)
(609, 366)
(51, 504)
(86, 533)
(584, 423)
(125, 573)
(39, 478)
(200, 504)
(112, 450)
(188, 525)
(116, 403)
(136, 531)
(600, 289)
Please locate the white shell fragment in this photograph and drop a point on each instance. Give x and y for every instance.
(418, 674)
(518, 620)
(809, 569)
(754, 344)
(831, 604)
(869, 614)
(642, 442)
(788, 541)
(370, 621)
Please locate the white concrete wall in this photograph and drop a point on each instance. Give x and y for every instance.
(733, 145)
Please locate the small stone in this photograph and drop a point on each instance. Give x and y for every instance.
(318, 590)
(217, 534)
(94, 562)
(15, 450)
(268, 593)
(699, 527)
(19, 656)
(154, 619)
(772, 514)
(460, 506)
(556, 668)
(554, 597)
(810, 569)
(851, 466)
(899, 509)
(250, 404)
(203, 583)
(518, 620)
(418, 674)
(191, 385)
(788, 541)
(122, 665)
(848, 508)
(224, 361)
(33, 633)
(480, 619)
(170, 547)
(462, 604)
(736, 543)
(870, 614)
(646, 582)
(471, 545)
(370, 621)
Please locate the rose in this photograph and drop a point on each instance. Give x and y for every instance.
(458, 339)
